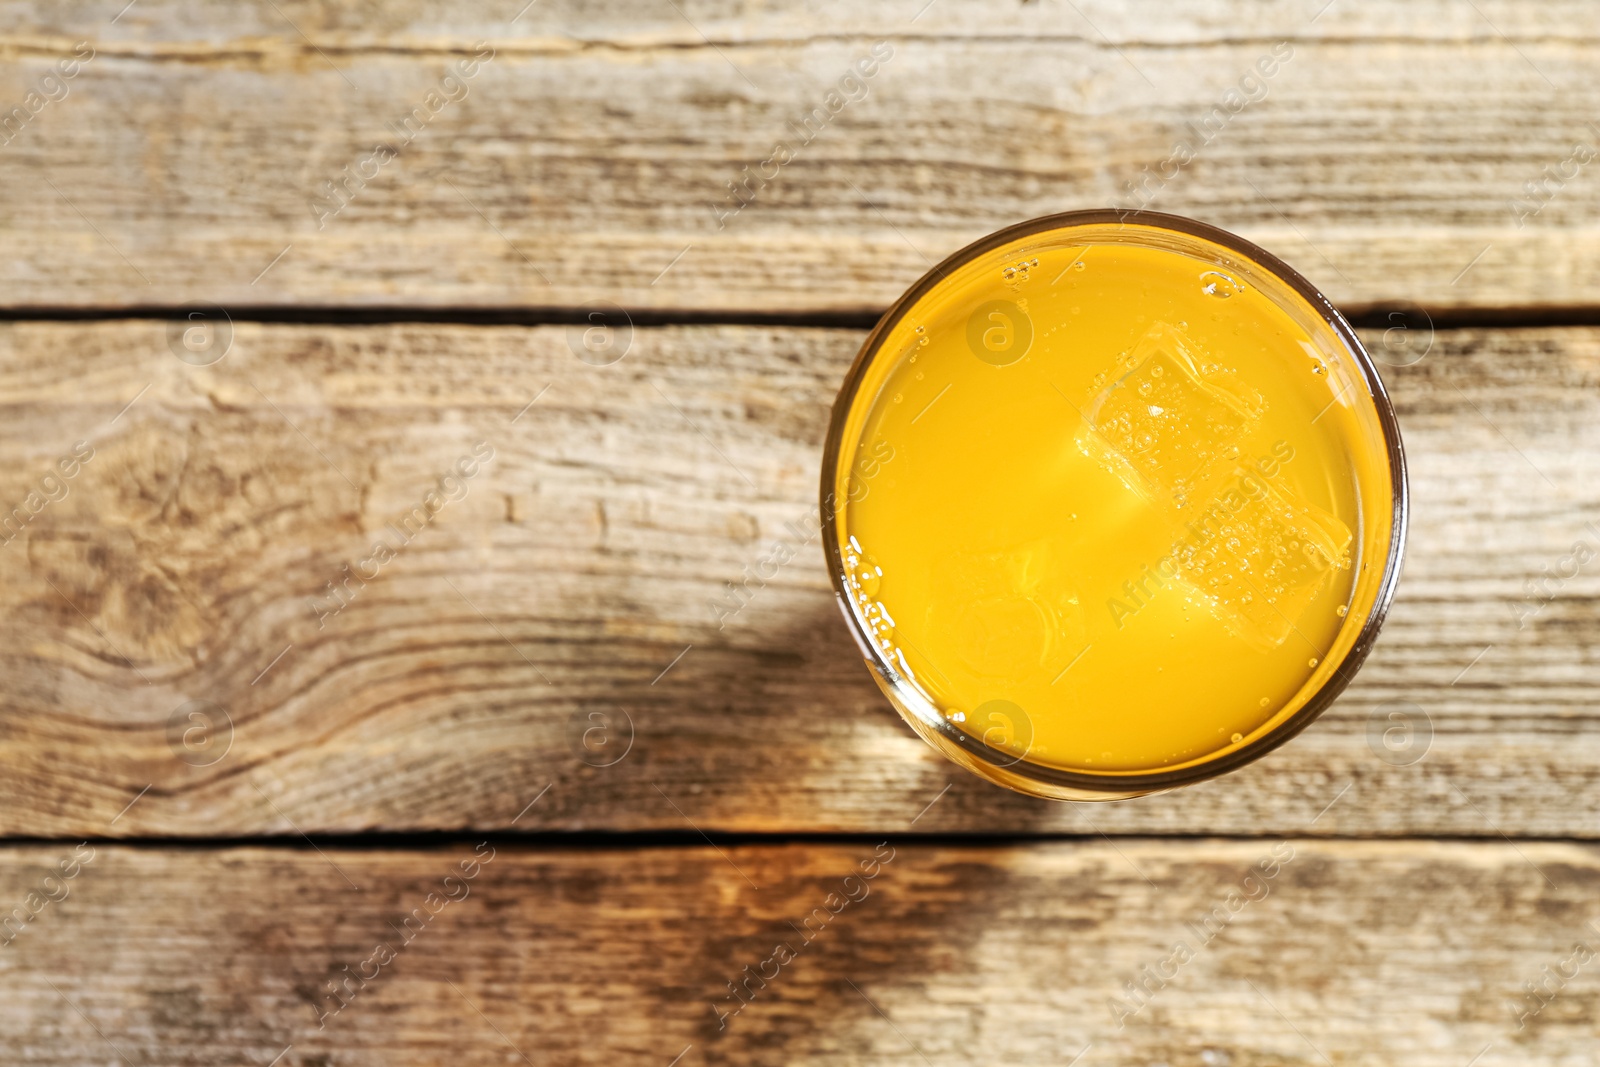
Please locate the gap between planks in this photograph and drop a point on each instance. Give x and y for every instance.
(1362, 316)
(624, 840)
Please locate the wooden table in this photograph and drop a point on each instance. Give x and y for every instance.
(512, 795)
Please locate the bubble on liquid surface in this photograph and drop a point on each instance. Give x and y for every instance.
(1018, 272)
(862, 571)
(1236, 738)
(864, 576)
(1341, 611)
(1215, 283)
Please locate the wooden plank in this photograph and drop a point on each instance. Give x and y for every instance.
(188, 561)
(628, 23)
(1298, 952)
(589, 158)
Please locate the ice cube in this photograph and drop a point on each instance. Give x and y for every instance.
(1259, 556)
(1164, 427)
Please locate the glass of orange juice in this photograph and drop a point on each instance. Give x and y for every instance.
(1113, 502)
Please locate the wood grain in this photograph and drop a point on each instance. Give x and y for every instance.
(590, 157)
(539, 649)
(1350, 953)
(576, 578)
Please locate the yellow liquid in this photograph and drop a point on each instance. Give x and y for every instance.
(1112, 508)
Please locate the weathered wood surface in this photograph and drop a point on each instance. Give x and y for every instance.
(576, 577)
(1350, 953)
(589, 158)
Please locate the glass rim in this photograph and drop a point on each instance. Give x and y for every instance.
(1037, 779)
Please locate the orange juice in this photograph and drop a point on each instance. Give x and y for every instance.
(1113, 504)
